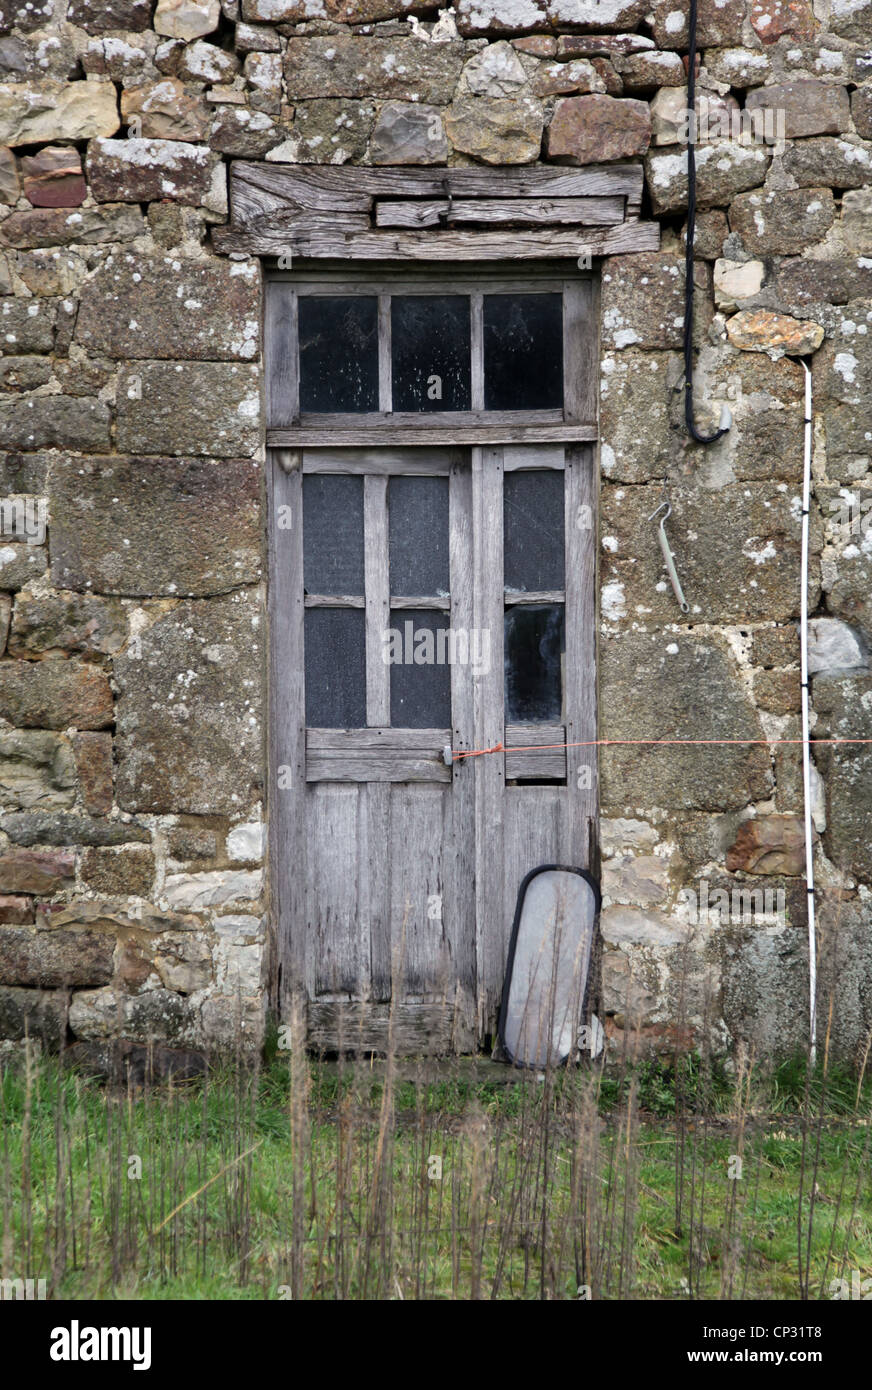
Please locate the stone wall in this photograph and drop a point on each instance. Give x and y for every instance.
(131, 632)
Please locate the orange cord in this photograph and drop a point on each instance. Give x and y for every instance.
(655, 742)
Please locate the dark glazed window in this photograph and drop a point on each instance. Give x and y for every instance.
(420, 670)
(534, 647)
(533, 530)
(335, 668)
(418, 531)
(332, 534)
(430, 352)
(523, 351)
(338, 353)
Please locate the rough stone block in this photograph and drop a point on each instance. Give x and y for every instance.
(63, 828)
(54, 422)
(192, 526)
(723, 169)
(346, 65)
(165, 111)
(407, 133)
(193, 746)
(55, 959)
(597, 129)
(782, 221)
(809, 107)
(737, 552)
(59, 624)
(103, 16)
(54, 695)
(36, 871)
(53, 178)
(826, 161)
(201, 408)
(33, 1013)
(648, 692)
(36, 113)
(58, 227)
(169, 307)
(843, 705)
(496, 130)
(36, 770)
(120, 872)
(93, 754)
(144, 171)
(643, 301)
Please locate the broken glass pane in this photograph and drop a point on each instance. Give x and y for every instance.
(338, 353)
(332, 534)
(548, 967)
(335, 668)
(419, 650)
(430, 352)
(418, 531)
(533, 529)
(534, 646)
(523, 351)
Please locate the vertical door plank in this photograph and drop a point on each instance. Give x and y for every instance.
(492, 932)
(460, 867)
(581, 686)
(333, 816)
(421, 959)
(287, 761)
(534, 833)
(376, 887)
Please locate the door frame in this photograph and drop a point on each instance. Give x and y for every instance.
(482, 793)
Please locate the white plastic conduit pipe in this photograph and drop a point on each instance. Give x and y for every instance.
(806, 749)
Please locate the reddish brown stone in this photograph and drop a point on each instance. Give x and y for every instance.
(772, 18)
(596, 129)
(54, 695)
(36, 871)
(768, 845)
(539, 45)
(601, 45)
(53, 178)
(16, 912)
(93, 754)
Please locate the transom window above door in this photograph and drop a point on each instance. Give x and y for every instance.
(491, 357)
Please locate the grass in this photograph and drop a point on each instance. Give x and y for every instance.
(315, 1180)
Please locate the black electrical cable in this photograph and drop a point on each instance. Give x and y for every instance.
(688, 247)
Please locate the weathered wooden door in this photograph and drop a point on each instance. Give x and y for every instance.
(427, 594)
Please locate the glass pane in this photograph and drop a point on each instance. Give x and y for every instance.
(523, 351)
(332, 534)
(335, 668)
(430, 352)
(534, 648)
(533, 530)
(338, 353)
(418, 651)
(418, 532)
